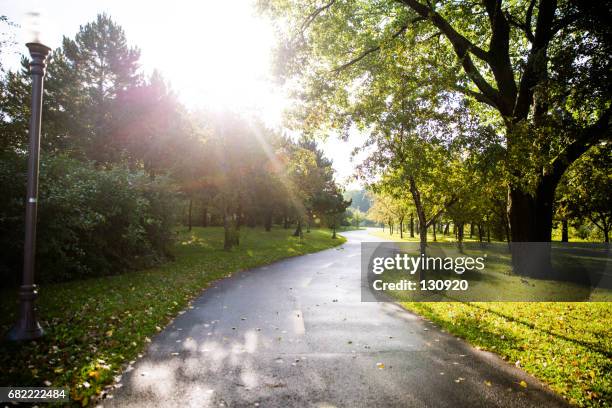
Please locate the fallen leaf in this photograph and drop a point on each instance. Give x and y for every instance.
(380, 366)
(523, 384)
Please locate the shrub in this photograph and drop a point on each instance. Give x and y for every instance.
(90, 222)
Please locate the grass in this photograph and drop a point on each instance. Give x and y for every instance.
(496, 282)
(94, 326)
(556, 236)
(378, 232)
(566, 345)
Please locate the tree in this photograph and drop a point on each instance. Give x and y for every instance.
(331, 204)
(587, 189)
(539, 70)
(104, 66)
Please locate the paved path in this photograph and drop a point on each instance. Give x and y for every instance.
(295, 334)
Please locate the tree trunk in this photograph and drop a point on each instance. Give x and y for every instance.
(240, 216)
(236, 236)
(435, 237)
(205, 217)
(227, 236)
(531, 221)
(189, 214)
(471, 229)
(286, 222)
(480, 234)
(268, 221)
(401, 227)
(298, 229)
(564, 230)
(411, 225)
(421, 218)
(446, 228)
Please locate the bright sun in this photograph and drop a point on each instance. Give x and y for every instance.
(217, 54)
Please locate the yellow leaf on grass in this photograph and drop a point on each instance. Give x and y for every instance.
(109, 333)
(488, 383)
(523, 384)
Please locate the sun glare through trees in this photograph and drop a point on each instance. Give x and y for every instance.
(291, 203)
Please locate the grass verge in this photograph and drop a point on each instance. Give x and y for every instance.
(94, 326)
(566, 345)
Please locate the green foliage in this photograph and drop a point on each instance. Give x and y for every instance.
(94, 326)
(91, 222)
(586, 190)
(536, 73)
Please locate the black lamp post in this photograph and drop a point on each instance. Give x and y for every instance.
(27, 326)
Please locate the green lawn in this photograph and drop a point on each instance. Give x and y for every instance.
(566, 345)
(94, 326)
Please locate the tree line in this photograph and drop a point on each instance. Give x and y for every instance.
(491, 112)
(123, 161)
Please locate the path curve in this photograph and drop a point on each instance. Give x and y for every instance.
(296, 334)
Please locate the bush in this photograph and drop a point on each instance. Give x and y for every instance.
(90, 222)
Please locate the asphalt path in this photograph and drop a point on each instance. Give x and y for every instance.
(296, 334)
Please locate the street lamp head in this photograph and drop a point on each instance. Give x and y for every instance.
(34, 32)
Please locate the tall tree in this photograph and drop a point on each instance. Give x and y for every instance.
(538, 69)
(104, 66)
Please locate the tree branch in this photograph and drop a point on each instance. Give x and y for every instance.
(463, 48)
(595, 133)
(536, 69)
(528, 17)
(446, 205)
(499, 53)
(476, 95)
(373, 49)
(314, 15)
(453, 35)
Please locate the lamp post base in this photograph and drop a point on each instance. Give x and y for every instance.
(27, 326)
(18, 333)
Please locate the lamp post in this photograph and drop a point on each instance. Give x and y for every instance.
(27, 326)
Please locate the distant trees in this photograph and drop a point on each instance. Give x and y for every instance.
(586, 190)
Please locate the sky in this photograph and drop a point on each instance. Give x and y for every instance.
(215, 54)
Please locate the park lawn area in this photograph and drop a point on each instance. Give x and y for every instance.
(378, 232)
(566, 345)
(94, 326)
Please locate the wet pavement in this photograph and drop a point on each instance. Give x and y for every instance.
(296, 334)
